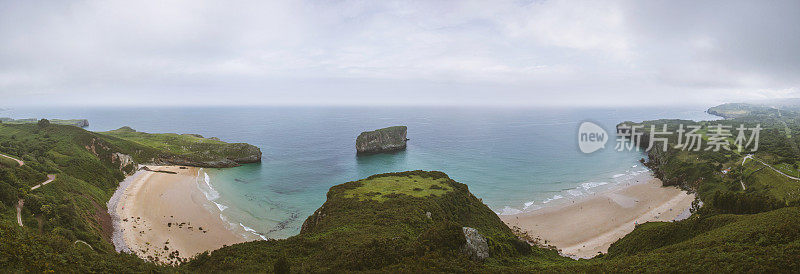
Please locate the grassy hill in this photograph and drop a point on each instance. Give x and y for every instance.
(185, 149)
(382, 223)
(88, 168)
(751, 187)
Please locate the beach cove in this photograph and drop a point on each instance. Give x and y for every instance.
(586, 226)
(161, 214)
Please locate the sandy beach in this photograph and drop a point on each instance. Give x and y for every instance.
(165, 217)
(584, 228)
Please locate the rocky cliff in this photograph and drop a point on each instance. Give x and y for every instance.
(382, 140)
(231, 155)
(185, 149)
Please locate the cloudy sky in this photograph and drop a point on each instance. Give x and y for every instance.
(397, 53)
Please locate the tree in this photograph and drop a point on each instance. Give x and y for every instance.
(43, 123)
(281, 265)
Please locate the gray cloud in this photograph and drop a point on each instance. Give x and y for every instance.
(386, 52)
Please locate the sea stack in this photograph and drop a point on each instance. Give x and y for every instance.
(382, 140)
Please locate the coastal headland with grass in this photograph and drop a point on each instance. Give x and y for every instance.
(158, 196)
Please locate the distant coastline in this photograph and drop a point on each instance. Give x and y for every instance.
(68, 122)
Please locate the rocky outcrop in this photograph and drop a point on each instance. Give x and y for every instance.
(81, 123)
(237, 154)
(382, 140)
(126, 163)
(250, 153)
(476, 246)
(182, 151)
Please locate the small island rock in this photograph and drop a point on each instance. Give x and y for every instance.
(382, 140)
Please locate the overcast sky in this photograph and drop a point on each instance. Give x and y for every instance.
(397, 53)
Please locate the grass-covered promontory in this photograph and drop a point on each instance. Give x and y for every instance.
(407, 221)
(188, 149)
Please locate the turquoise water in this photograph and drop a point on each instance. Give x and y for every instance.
(513, 158)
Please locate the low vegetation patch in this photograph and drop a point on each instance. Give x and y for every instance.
(381, 188)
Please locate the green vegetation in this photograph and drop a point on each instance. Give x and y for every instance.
(89, 167)
(8, 162)
(737, 110)
(188, 149)
(750, 188)
(392, 234)
(408, 221)
(765, 242)
(381, 188)
(28, 250)
(70, 208)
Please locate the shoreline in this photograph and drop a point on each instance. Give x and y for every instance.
(167, 218)
(180, 220)
(586, 226)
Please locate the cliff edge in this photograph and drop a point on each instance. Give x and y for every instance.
(186, 149)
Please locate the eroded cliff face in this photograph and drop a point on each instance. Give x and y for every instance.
(231, 155)
(382, 140)
(185, 149)
(126, 162)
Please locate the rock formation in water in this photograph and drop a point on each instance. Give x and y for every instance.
(382, 140)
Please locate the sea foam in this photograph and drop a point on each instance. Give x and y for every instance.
(555, 197)
(210, 192)
(248, 229)
(590, 185)
(212, 195)
(509, 211)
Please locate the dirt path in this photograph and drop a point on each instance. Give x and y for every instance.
(19, 211)
(21, 202)
(750, 156)
(50, 178)
(20, 162)
(87, 244)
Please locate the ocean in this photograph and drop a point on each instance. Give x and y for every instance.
(514, 159)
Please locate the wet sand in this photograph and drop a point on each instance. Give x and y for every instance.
(584, 228)
(166, 218)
